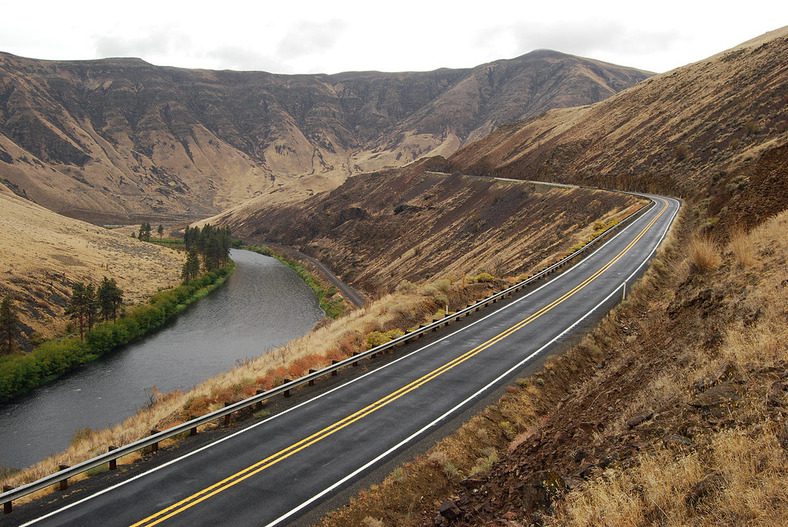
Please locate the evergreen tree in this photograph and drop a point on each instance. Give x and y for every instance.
(213, 253)
(76, 307)
(145, 231)
(91, 305)
(9, 325)
(191, 268)
(160, 230)
(110, 298)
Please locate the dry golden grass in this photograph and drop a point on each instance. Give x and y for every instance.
(744, 468)
(744, 484)
(743, 248)
(42, 252)
(704, 254)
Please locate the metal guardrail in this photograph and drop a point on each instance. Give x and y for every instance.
(190, 427)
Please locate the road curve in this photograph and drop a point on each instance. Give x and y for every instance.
(275, 470)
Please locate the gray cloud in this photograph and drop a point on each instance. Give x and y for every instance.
(310, 37)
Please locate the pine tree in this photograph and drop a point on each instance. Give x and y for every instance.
(145, 232)
(91, 305)
(191, 268)
(9, 325)
(110, 298)
(160, 230)
(76, 307)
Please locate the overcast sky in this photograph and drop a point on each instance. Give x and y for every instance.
(296, 36)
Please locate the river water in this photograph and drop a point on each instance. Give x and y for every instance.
(264, 304)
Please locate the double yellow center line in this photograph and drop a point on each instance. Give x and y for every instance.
(256, 468)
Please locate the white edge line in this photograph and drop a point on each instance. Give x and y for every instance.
(255, 425)
(469, 398)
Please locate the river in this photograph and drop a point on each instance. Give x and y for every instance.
(264, 304)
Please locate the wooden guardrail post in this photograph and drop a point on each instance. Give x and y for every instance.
(192, 430)
(311, 381)
(335, 372)
(355, 363)
(8, 506)
(113, 463)
(226, 421)
(63, 485)
(259, 404)
(155, 446)
(286, 392)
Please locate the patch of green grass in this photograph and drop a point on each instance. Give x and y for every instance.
(172, 243)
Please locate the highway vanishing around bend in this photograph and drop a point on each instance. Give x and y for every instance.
(273, 471)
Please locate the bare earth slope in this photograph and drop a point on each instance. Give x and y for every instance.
(119, 139)
(715, 130)
(42, 254)
(379, 229)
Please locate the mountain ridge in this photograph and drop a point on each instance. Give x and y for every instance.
(119, 138)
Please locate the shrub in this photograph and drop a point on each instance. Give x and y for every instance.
(704, 254)
(377, 338)
(482, 278)
(743, 248)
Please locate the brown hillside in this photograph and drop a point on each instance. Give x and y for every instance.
(42, 254)
(673, 410)
(379, 229)
(715, 130)
(118, 139)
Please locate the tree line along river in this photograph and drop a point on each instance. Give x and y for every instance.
(263, 305)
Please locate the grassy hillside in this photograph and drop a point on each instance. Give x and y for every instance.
(121, 140)
(42, 254)
(714, 131)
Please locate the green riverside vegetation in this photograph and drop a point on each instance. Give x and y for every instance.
(22, 372)
(331, 304)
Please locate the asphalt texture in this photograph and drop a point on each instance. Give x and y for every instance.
(276, 470)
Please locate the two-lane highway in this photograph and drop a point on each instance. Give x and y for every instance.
(274, 470)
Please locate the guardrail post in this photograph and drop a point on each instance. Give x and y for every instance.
(226, 417)
(311, 381)
(113, 463)
(155, 446)
(63, 485)
(259, 404)
(8, 506)
(286, 392)
(335, 372)
(355, 363)
(436, 327)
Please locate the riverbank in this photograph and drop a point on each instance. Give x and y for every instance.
(23, 372)
(331, 302)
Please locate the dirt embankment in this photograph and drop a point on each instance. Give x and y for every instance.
(42, 254)
(412, 224)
